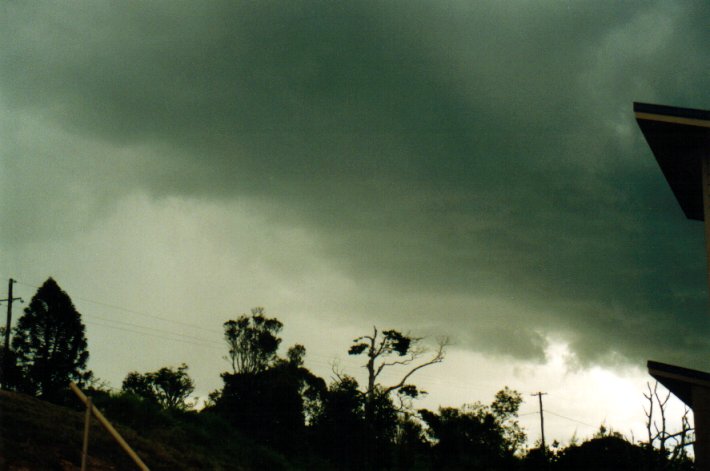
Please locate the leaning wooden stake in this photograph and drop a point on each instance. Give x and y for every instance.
(87, 423)
(107, 425)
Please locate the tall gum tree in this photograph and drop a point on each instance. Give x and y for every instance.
(391, 348)
(253, 341)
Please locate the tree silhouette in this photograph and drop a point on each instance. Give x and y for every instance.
(268, 397)
(612, 451)
(252, 341)
(391, 349)
(671, 444)
(477, 436)
(49, 344)
(168, 387)
(384, 350)
(340, 432)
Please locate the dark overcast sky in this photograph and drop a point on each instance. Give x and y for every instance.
(463, 168)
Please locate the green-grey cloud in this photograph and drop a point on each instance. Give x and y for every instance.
(483, 149)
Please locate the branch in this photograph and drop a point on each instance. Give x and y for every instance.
(403, 406)
(400, 362)
(395, 363)
(362, 338)
(413, 355)
(649, 414)
(664, 401)
(335, 369)
(678, 434)
(380, 348)
(662, 407)
(437, 358)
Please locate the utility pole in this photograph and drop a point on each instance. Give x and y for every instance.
(6, 351)
(542, 420)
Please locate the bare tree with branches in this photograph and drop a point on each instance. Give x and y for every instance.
(669, 444)
(390, 349)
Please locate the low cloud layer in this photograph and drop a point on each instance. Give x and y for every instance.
(480, 157)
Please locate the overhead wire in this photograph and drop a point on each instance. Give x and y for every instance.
(152, 335)
(314, 358)
(325, 360)
(133, 311)
(569, 418)
(93, 319)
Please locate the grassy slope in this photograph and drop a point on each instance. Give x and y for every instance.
(38, 435)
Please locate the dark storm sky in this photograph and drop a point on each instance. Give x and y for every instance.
(475, 162)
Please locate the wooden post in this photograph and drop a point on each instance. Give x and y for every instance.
(706, 209)
(6, 361)
(701, 418)
(87, 423)
(542, 423)
(109, 428)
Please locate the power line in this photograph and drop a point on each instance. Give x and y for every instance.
(125, 329)
(133, 311)
(164, 319)
(313, 358)
(131, 324)
(91, 318)
(569, 418)
(323, 362)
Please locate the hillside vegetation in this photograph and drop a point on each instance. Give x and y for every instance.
(273, 413)
(35, 434)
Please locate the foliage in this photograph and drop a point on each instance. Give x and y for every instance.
(296, 354)
(505, 409)
(386, 439)
(611, 451)
(39, 435)
(281, 404)
(389, 349)
(392, 342)
(252, 341)
(270, 404)
(343, 404)
(133, 410)
(607, 449)
(411, 446)
(167, 387)
(266, 396)
(339, 427)
(50, 344)
(476, 436)
(11, 373)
